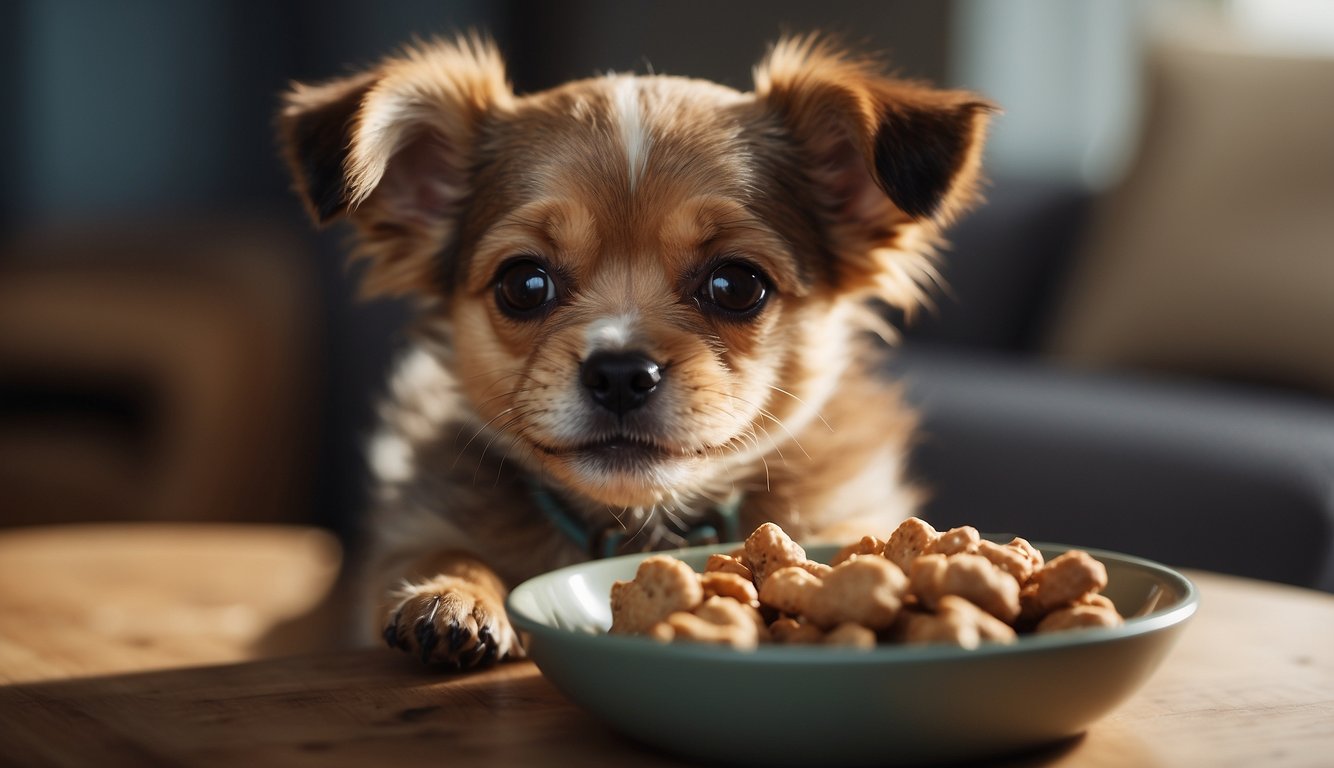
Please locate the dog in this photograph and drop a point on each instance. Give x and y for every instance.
(647, 309)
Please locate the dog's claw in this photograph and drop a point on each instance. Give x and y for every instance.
(427, 639)
(391, 634)
(470, 659)
(458, 635)
(492, 649)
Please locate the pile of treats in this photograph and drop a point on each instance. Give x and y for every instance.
(918, 586)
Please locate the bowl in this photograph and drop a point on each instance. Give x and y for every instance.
(794, 705)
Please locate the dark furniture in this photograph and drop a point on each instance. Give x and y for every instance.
(1194, 472)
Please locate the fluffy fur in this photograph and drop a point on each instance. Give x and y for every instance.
(830, 183)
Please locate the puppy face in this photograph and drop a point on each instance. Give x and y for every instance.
(649, 282)
(633, 306)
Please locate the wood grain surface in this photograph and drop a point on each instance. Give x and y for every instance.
(99, 599)
(1250, 684)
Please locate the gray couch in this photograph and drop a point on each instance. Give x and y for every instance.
(1198, 473)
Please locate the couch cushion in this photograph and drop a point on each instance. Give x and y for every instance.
(1213, 476)
(1216, 256)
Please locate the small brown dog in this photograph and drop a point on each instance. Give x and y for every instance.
(643, 308)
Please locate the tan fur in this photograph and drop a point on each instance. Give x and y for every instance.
(832, 179)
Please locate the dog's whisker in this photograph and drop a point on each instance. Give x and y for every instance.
(801, 402)
(792, 437)
(770, 416)
(777, 448)
(673, 517)
(498, 433)
(762, 412)
(503, 374)
(744, 441)
(508, 393)
(644, 525)
(488, 400)
(495, 434)
(479, 431)
(521, 434)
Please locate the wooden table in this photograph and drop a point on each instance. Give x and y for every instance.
(136, 645)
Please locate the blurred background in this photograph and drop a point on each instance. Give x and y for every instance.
(1136, 334)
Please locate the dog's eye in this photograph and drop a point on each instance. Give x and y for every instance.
(735, 288)
(523, 288)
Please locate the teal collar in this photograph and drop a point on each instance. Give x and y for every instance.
(717, 525)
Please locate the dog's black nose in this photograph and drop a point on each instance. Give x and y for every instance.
(620, 381)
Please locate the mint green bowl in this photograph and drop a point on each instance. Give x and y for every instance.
(833, 706)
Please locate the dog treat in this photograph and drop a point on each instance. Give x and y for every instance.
(915, 586)
(956, 621)
(1079, 616)
(769, 549)
(818, 570)
(1097, 600)
(789, 631)
(869, 545)
(971, 577)
(1011, 559)
(723, 584)
(851, 635)
(790, 590)
(956, 541)
(909, 540)
(662, 586)
(1034, 556)
(865, 590)
(1060, 583)
(728, 564)
(718, 620)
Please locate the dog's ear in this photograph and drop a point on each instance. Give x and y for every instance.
(892, 161)
(391, 149)
(315, 128)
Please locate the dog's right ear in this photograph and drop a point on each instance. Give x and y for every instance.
(391, 150)
(316, 134)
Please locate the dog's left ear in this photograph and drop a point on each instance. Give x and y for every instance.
(392, 149)
(889, 158)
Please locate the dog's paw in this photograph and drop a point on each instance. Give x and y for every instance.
(453, 623)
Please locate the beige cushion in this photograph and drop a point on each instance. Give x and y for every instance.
(1216, 256)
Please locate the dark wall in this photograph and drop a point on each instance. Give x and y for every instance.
(555, 42)
(13, 83)
(146, 104)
